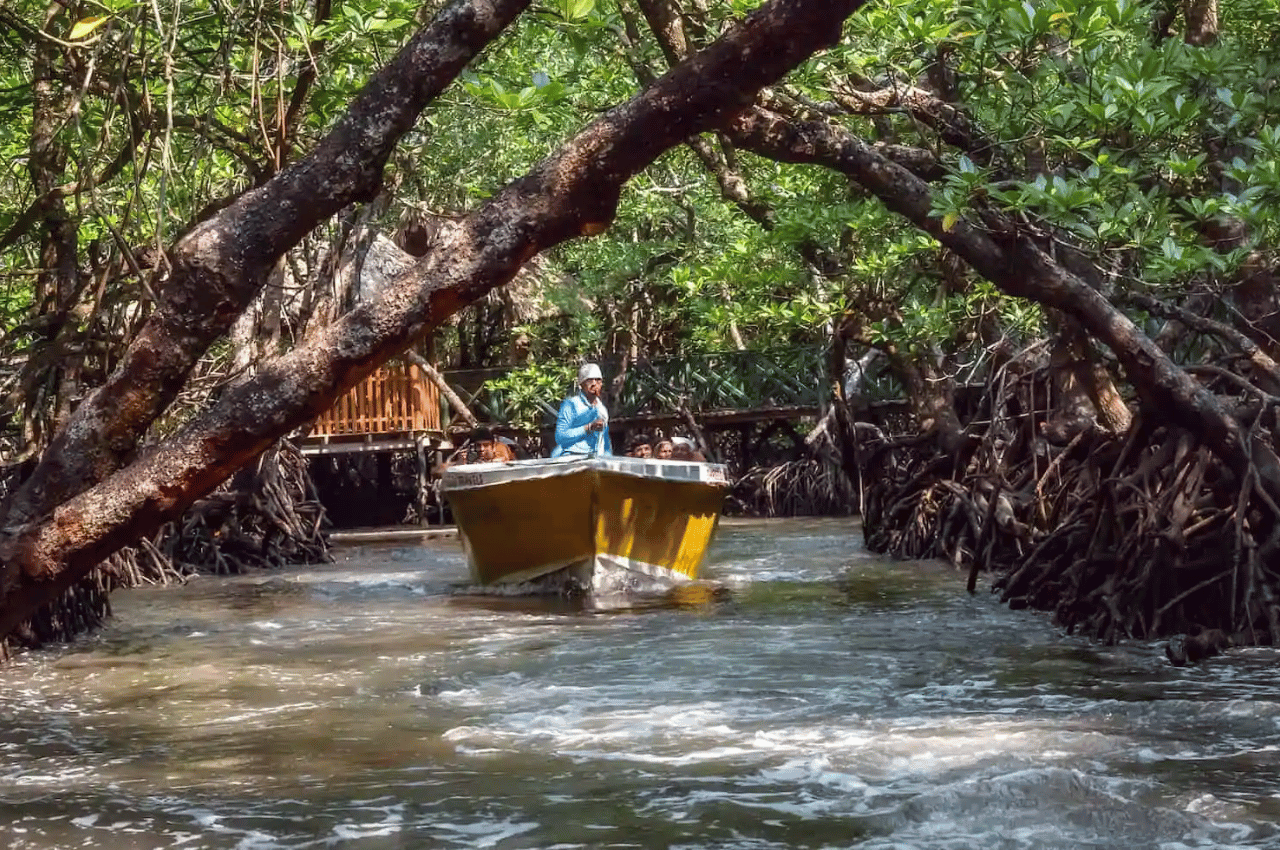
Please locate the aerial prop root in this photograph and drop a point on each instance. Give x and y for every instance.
(1121, 536)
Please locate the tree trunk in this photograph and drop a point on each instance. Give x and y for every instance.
(1202, 22)
(931, 394)
(1085, 396)
(50, 379)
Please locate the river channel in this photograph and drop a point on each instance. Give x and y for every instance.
(826, 698)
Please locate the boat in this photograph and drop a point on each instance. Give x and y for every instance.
(586, 523)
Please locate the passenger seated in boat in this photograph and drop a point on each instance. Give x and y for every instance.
(480, 447)
(582, 426)
(683, 449)
(663, 450)
(641, 445)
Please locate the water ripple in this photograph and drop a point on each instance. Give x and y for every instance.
(828, 699)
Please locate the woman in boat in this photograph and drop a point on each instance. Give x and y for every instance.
(582, 427)
(663, 450)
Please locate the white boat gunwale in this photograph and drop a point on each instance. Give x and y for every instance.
(476, 475)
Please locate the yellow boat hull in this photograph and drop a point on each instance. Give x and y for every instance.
(603, 523)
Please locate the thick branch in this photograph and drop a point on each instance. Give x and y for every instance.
(950, 122)
(663, 17)
(219, 266)
(1204, 324)
(1202, 21)
(1010, 258)
(572, 193)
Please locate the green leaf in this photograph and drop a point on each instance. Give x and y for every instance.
(85, 26)
(576, 10)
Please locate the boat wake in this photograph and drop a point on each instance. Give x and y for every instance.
(606, 587)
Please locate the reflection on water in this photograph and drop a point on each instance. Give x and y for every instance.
(806, 695)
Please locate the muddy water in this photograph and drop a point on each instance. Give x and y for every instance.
(827, 699)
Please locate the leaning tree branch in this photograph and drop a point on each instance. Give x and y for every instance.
(573, 193)
(1007, 255)
(221, 263)
(947, 120)
(1204, 324)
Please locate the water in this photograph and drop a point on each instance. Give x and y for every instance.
(829, 699)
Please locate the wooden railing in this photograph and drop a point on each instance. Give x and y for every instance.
(700, 383)
(397, 398)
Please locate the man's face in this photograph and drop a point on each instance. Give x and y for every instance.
(643, 450)
(592, 386)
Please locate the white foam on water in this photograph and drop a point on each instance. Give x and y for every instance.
(391, 822)
(256, 714)
(768, 568)
(1216, 809)
(682, 734)
(487, 833)
(1006, 809)
(465, 724)
(408, 577)
(71, 775)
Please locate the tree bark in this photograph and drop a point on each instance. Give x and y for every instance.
(49, 377)
(572, 193)
(1086, 398)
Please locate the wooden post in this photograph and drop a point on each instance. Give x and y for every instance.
(744, 440)
(424, 479)
(699, 439)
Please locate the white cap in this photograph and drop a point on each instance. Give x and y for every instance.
(587, 371)
(682, 441)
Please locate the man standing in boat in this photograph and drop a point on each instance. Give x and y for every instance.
(583, 424)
